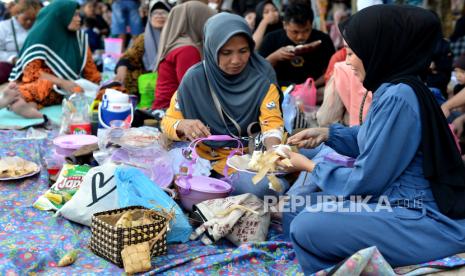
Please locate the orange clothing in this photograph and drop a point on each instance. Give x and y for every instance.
(270, 120)
(40, 91)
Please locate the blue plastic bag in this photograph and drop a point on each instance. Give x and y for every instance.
(134, 188)
(289, 111)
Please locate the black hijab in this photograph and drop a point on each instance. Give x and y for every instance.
(259, 16)
(459, 30)
(395, 44)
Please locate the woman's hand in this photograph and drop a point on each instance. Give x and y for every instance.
(271, 18)
(309, 138)
(66, 85)
(192, 129)
(70, 86)
(299, 163)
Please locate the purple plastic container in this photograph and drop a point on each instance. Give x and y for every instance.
(340, 159)
(67, 144)
(195, 189)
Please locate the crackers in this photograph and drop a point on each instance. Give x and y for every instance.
(11, 167)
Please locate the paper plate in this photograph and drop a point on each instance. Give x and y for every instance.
(21, 176)
(239, 163)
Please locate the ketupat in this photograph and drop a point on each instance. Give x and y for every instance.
(125, 221)
(69, 258)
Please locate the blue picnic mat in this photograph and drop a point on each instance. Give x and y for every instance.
(32, 241)
(10, 120)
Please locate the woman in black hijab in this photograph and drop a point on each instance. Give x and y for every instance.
(407, 168)
(266, 20)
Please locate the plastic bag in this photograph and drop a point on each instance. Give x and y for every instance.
(154, 162)
(96, 194)
(146, 84)
(289, 111)
(306, 93)
(63, 190)
(135, 189)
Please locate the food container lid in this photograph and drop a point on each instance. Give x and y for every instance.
(74, 141)
(203, 184)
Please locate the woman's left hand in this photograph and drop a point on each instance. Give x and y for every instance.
(299, 163)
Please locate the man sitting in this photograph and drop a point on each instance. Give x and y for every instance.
(295, 65)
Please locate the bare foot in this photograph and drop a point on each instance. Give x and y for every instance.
(25, 109)
(9, 95)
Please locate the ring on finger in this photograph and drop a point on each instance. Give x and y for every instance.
(194, 134)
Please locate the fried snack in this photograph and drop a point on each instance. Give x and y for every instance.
(16, 167)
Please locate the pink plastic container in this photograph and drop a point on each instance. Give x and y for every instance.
(113, 46)
(195, 189)
(67, 144)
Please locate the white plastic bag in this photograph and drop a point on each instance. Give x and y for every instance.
(96, 194)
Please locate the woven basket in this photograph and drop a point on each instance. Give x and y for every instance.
(107, 241)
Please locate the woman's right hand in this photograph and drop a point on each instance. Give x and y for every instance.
(309, 138)
(271, 18)
(70, 86)
(192, 129)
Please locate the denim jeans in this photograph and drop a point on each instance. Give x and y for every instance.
(125, 13)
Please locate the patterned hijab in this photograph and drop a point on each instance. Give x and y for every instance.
(62, 50)
(183, 27)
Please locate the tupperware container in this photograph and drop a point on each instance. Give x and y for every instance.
(195, 189)
(67, 144)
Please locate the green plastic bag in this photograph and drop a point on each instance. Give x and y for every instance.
(146, 84)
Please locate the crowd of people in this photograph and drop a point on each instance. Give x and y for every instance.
(385, 75)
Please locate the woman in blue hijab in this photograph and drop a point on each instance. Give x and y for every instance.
(231, 78)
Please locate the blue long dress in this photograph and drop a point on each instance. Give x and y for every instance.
(388, 163)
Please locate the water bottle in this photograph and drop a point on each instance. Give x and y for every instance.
(109, 65)
(79, 118)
